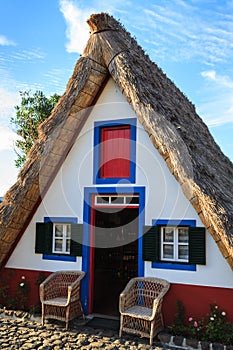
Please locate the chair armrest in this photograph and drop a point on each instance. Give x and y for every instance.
(157, 302)
(128, 297)
(157, 305)
(74, 288)
(48, 288)
(125, 301)
(129, 286)
(51, 287)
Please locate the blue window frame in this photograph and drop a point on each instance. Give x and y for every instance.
(54, 256)
(171, 265)
(97, 150)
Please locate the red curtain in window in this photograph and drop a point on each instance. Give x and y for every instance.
(115, 152)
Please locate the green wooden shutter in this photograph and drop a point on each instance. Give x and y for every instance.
(197, 245)
(44, 237)
(151, 243)
(76, 239)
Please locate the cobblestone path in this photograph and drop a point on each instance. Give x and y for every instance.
(16, 333)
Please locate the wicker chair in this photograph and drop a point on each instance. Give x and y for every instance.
(140, 306)
(60, 296)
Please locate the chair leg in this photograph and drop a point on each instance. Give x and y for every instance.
(121, 326)
(42, 316)
(151, 332)
(67, 316)
(81, 309)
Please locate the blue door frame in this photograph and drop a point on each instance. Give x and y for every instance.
(88, 194)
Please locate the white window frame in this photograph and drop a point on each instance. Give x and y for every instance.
(175, 244)
(124, 198)
(64, 238)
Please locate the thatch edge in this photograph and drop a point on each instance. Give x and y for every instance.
(48, 153)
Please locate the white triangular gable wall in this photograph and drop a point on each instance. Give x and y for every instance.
(164, 198)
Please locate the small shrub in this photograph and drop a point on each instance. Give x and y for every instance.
(217, 328)
(195, 328)
(213, 328)
(22, 291)
(41, 277)
(178, 327)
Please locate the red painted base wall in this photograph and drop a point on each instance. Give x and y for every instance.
(197, 300)
(26, 296)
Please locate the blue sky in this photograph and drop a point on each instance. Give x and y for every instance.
(192, 41)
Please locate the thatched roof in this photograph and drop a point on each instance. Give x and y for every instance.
(203, 171)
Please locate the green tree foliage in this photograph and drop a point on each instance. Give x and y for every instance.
(33, 110)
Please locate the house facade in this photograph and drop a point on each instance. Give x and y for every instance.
(115, 210)
(104, 221)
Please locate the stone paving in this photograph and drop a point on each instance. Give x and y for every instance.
(23, 333)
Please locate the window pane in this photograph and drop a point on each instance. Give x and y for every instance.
(168, 251)
(132, 200)
(68, 245)
(58, 245)
(58, 230)
(168, 234)
(183, 235)
(102, 200)
(183, 252)
(68, 231)
(117, 200)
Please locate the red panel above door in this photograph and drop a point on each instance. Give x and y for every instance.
(115, 152)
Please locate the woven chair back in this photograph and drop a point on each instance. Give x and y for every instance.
(146, 291)
(63, 280)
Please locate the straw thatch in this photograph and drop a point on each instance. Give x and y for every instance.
(203, 171)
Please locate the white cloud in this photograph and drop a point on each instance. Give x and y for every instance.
(8, 170)
(27, 55)
(56, 78)
(7, 102)
(216, 113)
(75, 15)
(182, 31)
(217, 106)
(77, 31)
(6, 42)
(218, 79)
(8, 138)
(200, 32)
(160, 17)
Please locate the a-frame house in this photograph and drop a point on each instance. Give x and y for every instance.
(124, 180)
